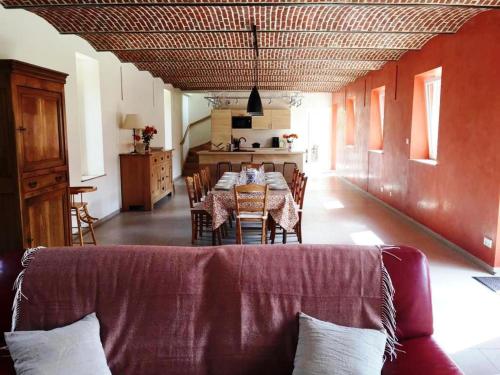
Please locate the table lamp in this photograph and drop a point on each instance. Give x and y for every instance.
(132, 121)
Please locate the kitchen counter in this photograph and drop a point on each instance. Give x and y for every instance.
(268, 151)
(253, 155)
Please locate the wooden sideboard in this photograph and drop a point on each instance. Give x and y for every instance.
(145, 179)
(34, 199)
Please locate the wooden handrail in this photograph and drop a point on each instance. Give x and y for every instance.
(191, 125)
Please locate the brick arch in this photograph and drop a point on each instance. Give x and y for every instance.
(305, 45)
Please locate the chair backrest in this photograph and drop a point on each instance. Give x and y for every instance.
(248, 165)
(198, 189)
(191, 191)
(269, 166)
(288, 168)
(251, 198)
(301, 190)
(205, 180)
(294, 182)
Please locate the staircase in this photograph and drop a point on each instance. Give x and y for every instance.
(192, 163)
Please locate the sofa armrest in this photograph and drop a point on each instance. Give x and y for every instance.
(421, 356)
(6, 364)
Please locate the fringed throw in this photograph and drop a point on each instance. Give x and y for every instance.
(388, 309)
(18, 285)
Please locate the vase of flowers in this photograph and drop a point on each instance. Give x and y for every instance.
(147, 135)
(289, 140)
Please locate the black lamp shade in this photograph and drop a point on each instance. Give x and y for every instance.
(254, 106)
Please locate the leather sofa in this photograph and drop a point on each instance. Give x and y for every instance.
(409, 272)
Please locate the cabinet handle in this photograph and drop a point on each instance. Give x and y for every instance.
(59, 178)
(22, 129)
(32, 184)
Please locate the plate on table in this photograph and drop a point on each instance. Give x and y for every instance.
(278, 186)
(222, 187)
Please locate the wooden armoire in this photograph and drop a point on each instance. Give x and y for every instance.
(34, 200)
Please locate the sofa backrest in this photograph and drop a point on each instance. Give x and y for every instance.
(409, 274)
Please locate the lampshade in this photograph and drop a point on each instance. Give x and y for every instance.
(132, 121)
(254, 106)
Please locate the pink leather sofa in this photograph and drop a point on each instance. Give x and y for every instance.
(410, 277)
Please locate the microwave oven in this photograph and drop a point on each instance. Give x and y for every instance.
(241, 122)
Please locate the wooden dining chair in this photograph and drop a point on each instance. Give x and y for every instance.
(300, 190)
(199, 216)
(288, 168)
(205, 180)
(295, 180)
(198, 187)
(269, 166)
(251, 206)
(223, 166)
(299, 201)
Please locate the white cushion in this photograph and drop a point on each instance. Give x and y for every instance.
(198, 206)
(251, 215)
(75, 349)
(327, 348)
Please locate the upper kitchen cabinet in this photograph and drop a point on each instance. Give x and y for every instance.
(262, 122)
(221, 126)
(280, 119)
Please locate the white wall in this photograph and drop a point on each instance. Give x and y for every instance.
(27, 37)
(198, 108)
(177, 132)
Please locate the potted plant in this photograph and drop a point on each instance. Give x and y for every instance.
(147, 135)
(289, 140)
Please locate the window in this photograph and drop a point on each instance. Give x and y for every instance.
(89, 117)
(425, 115)
(350, 128)
(432, 101)
(377, 119)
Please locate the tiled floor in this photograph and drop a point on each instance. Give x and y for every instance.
(466, 314)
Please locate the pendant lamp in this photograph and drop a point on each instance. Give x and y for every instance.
(254, 106)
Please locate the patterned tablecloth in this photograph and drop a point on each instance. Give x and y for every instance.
(280, 205)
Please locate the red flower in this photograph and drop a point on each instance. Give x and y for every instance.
(137, 137)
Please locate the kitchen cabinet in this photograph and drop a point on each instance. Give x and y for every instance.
(221, 127)
(262, 122)
(280, 119)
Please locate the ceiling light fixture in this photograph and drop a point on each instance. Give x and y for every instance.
(254, 106)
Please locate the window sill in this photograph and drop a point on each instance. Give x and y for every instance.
(430, 162)
(88, 178)
(376, 151)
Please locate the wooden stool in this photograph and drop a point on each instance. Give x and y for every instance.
(80, 212)
(223, 164)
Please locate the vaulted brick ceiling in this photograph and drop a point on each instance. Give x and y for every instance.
(306, 45)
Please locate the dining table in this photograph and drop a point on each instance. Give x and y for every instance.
(220, 200)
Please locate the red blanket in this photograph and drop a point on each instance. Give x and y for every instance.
(225, 310)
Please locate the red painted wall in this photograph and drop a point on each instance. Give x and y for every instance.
(459, 197)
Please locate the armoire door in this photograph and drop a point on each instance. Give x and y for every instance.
(46, 218)
(40, 128)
